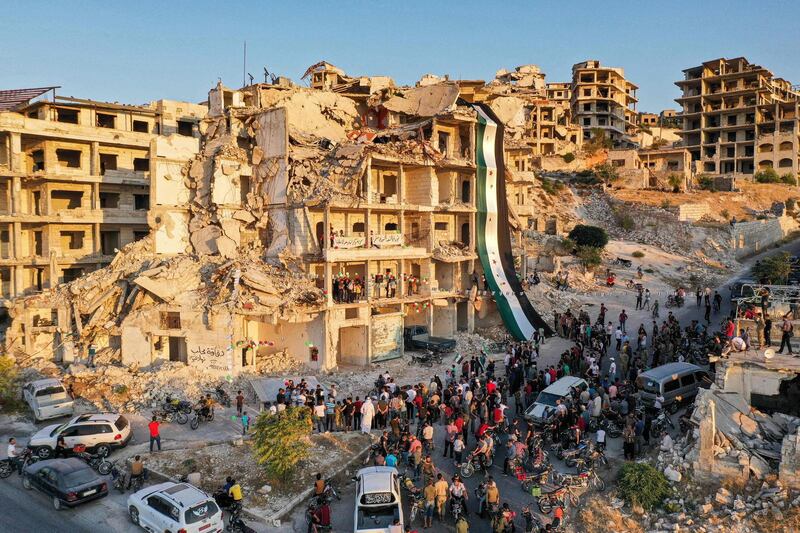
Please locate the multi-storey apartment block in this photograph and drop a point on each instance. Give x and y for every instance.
(602, 98)
(74, 182)
(739, 118)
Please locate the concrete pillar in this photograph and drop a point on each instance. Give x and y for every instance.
(94, 159)
(96, 248)
(401, 185)
(789, 470)
(16, 241)
(16, 193)
(367, 229)
(19, 283)
(327, 224)
(708, 429)
(328, 277)
(16, 158)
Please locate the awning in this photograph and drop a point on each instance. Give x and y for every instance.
(11, 98)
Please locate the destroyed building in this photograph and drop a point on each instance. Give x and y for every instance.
(75, 178)
(738, 118)
(312, 226)
(603, 98)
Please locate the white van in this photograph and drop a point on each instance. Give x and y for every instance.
(544, 408)
(47, 399)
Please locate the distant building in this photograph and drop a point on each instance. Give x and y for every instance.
(739, 118)
(602, 98)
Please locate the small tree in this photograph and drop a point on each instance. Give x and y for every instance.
(8, 378)
(706, 182)
(788, 179)
(641, 484)
(590, 256)
(599, 140)
(606, 173)
(768, 175)
(593, 236)
(773, 269)
(675, 181)
(280, 441)
(569, 157)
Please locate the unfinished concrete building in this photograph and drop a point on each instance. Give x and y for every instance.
(536, 124)
(603, 99)
(738, 118)
(75, 178)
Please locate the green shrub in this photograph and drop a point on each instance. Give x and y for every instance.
(590, 256)
(767, 175)
(773, 269)
(725, 214)
(606, 172)
(585, 173)
(626, 222)
(280, 441)
(642, 484)
(569, 157)
(791, 203)
(8, 378)
(788, 179)
(706, 182)
(675, 181)
(592, 236)
(599, 140)
(638, 254)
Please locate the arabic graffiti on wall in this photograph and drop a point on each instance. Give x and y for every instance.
(209, 358)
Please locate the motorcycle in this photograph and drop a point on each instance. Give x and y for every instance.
(374, 450)
(468, 467)
(426, 359)
(199, 416)
(582, 479)
(236, 524)
(674, 301)
(173, 404)
(223, 398)
(536, 479)
(97, 462)
(627, 263)
(6, 468)
(456, 508)
(118, 478)
(171, 416)
(659, 425)
(559, 496)
(328, 494)
(417, 506)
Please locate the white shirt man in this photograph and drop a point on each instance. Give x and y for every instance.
(600, 438)
(411, 394)
(612, 369)
(12, 449)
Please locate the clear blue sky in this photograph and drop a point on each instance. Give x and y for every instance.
(142, 50)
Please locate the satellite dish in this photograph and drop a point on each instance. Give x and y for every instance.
(769, 353)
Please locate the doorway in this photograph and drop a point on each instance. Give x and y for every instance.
(177, 349)
(352, 346)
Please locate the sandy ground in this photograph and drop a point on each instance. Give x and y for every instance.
(757, 196)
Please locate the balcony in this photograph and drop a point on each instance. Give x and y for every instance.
(354, 248)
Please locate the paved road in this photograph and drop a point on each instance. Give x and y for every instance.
(29, 511)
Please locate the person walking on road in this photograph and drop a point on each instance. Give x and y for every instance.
(623, 317)
(239, 403)
(155, 433)
(245, 423)
(786, 335)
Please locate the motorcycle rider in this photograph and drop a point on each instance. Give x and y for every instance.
(235, 492)
(14, 455)
(491, 497)
(458, 492)
(481, 452)
(136, 470)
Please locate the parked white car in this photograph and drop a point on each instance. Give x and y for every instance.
(99, 432)
(378, 502)
(47, 399)
(175, 507)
